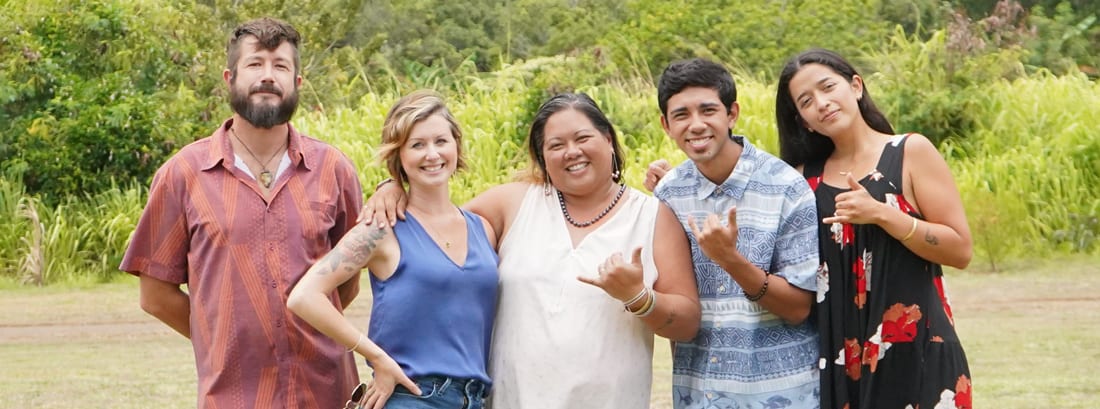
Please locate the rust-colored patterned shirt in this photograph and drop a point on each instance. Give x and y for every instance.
(207, 225)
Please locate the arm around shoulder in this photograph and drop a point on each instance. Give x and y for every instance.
(498, 205)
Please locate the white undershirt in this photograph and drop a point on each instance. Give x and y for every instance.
(284, 164)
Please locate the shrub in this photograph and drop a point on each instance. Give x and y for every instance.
(99, 91)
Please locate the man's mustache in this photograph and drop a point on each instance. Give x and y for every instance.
(269, 88)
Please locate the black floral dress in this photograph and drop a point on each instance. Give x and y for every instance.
(887, 334)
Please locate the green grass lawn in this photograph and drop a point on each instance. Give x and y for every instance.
(1031, 334)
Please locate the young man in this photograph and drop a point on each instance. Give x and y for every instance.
(752, 225)
(239, 217)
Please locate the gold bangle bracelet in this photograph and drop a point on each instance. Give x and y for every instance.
(357, 342)
(911, 230)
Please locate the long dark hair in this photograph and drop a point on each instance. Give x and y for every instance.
(584, 104)
(798, 145)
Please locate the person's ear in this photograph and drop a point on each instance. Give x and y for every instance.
(734, 113)
(857, 87)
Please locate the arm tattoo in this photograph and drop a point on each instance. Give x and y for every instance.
(328, 264)
(929, 238)
(353, 251)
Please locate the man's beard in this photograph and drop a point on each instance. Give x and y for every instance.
(263, 115)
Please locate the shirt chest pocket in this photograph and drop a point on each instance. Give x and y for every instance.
(317, 222)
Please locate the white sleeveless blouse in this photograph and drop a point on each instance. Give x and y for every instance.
(561, 343)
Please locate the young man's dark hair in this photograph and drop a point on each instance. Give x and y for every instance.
(695, 72)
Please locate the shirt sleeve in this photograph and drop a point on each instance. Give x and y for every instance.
(350, 201)
(796, 249)
(158, 246)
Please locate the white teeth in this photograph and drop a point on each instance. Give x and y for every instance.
(577, 167)
(433, 168)
(698, 142)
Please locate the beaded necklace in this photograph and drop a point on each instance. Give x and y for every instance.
(561, 201)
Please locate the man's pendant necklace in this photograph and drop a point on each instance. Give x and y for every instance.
(266, 177)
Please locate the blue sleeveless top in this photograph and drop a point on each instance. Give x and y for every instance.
(432, 316)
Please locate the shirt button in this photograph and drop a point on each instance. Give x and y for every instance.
(722, 288)
(278, 323)
(713, 359)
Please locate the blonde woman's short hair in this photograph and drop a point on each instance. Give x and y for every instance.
(402, 117)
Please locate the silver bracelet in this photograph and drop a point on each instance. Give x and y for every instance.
(641, 294)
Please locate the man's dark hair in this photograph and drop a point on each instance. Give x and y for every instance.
(270, 32)
(695, 72)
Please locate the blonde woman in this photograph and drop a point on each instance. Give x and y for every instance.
(433, 275)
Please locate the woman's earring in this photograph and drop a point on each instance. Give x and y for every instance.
(546, 184)
(614, 169)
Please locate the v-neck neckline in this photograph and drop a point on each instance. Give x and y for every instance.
(466, 257)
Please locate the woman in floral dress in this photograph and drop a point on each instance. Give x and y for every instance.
(891, 215)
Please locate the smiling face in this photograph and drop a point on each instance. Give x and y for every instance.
(827, 103)
(263, 86)
(699, 123)
(578, 156)
(430, 155)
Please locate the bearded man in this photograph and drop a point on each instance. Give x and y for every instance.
(239, 216)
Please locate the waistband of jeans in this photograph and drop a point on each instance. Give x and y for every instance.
(467, 384)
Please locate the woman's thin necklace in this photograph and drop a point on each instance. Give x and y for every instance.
(446, 243)
(266, 177)
(568, 218)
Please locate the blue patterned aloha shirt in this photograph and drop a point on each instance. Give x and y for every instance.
(744, 356)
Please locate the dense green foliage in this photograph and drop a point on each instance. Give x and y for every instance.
(92, 93)
(97, 93)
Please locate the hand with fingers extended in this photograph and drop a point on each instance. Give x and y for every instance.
(385, 206)
(653, 174)
(715, 240)
(855, 206)
(387, 375)
(619, 278)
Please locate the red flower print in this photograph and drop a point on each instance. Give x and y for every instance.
(843, 234)
(938, 281)
(870, 355)
(899, 323)
(814, 181)
(963, 392)
(852, 358)
(861, 282)
(904, 205)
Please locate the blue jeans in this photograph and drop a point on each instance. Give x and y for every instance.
(440, 392)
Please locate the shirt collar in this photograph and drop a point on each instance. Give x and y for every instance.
(221, 151)
(735, 184)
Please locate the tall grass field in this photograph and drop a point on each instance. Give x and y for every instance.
(1029, 173)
